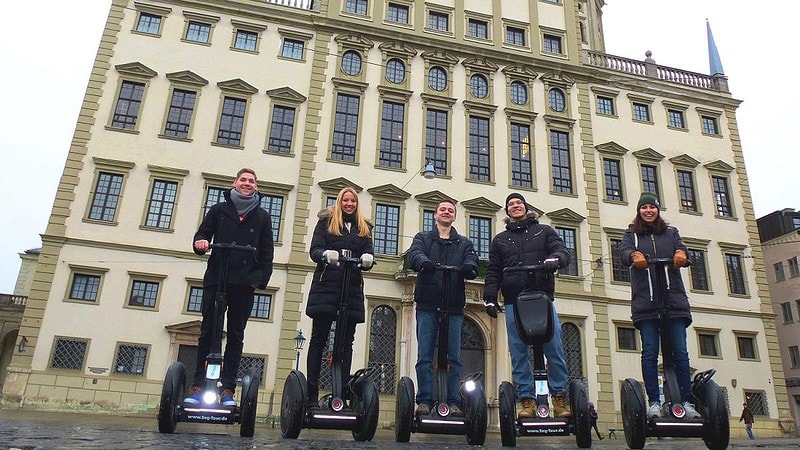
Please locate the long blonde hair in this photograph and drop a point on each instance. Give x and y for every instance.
(336, 222)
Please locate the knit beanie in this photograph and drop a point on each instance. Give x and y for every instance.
(518, 196)
(648, 197)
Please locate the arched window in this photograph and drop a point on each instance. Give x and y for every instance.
(479, 86)
(395, 71)
(573, 351)
(557, 100)
(437, 79)
(382, 348)
(519, 93)
(351, 63)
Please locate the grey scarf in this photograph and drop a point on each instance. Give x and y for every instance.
(243, 203)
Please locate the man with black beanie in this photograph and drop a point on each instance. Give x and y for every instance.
(525, 241)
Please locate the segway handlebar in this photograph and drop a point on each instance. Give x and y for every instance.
(232, 247)
(664, 261)
(528, 268)
(443, 267)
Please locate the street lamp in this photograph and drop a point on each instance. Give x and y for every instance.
(429, 173)
(299, 340)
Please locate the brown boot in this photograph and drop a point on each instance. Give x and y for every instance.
(560, 407)
(528, 408)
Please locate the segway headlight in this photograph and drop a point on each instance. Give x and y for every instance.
(209, 397)
(469, 385)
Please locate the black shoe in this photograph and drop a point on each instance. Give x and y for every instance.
(455, 411)
(423, 410)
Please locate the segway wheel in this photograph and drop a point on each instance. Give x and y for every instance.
(508, 414)
(247, 420)
(293, 404)
(634, 418)
(580, 414)
(171, 394)
(477, 419)
(404, 412)
(367, 408)
(716, 427)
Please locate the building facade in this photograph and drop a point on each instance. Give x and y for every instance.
(498, 96)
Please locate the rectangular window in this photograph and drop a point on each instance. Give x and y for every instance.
(198, 32)
(392, 127)
(619, 271)
(131, 359)
(710, 125)
(605, 105)
(428, 221)
(515, 36)
(213, 196)
(611, 170)
(757, 401)
(356, 7)
(721, 197)
(521, 170)
(708, 344)
(698, 273)
(735, 271)
(273, 204)
(626, 338)
(180, 113)
(794, 356)
(248, 362)
(786, 310)
(569, 236)
(746, 346)
(246, 40)
(84, 287)
(780, 275)
(106, 197)
(231, 121)
(650, 179)
(794, 270)
(478, 29)
(345, 128)
(675, 119)
(641, 112)
(480, 233)
(195, 303)
(562, 166)
(397, 13)
(795, 223)
(262, 306)
(127, 110)
(436, 140)
(438, 21)
(148, 23)
(686, 190)
(162, 204)
(552, 44)
(68, 354)
(143, 294)
(282, 129)
(387, 229)
(479, 164)
(292, 48)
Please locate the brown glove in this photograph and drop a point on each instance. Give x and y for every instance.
(639, 261)
(679, 259)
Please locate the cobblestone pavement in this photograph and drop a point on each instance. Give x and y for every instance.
(27, 429)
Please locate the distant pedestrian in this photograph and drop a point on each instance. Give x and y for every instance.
(747, 418)
(593, 417)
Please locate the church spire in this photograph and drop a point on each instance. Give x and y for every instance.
(714, 63)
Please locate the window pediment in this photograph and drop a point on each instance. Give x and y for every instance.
(611, 148)
(718, 166)
(187, 77)
(389, 192)
(335, 185)
(354, 41)
(481, 204)
(648, 155)
(558, 79)
(237, 86)
(440, 57)
(684, 160)
(480, 64)
(287, 95)
(566, 215)
(433, 198)
(136, 69)
(397, 49)
(520, 71)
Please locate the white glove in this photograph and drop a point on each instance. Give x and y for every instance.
(367, 260)
(331, 257)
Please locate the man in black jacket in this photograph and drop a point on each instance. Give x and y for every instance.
(440, 246)
(240, 220)
(525, 241)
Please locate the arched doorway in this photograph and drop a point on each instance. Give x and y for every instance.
(573, 351)
(6, 351)
(473, 348)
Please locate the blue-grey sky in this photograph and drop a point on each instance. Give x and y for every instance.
(45, 70)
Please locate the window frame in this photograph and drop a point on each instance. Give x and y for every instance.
(675, 115)
(475, 24)
(553, 43)
(778, 271)
(752, 337)
(478, 234)
(54, 347)
(165, 174)
(713, 334)
(636, 339)
(148, 278)
(441, 16)
(561, 188)
(786, 312)
(202, 19)
(391, 145)
(794, 269)
(109, 166)
(517, 145)
(114, 370)
(615, 266)
(398, 226)
(712, 116)
(294, 36)
(517, 32)
(271, 293)
(355, 7)
(250, 28)
(398, 5)
(687, 190)
(150, 10)
(88, 271)
(345, 134)
(478, 133)
(734, 252)
(640, 103)
(191, 285)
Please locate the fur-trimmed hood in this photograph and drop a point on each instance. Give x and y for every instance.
(530, 215)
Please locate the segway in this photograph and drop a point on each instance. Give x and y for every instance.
(533, 315)
(712, 426)
(440, 421)
(353, 407)
(210, 410)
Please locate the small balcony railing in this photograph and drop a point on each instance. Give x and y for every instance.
(307, 5)
(8, 299)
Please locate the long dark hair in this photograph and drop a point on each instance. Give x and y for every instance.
(658, 226)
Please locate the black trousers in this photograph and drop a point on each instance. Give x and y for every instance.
(320, 330)
(239, 305)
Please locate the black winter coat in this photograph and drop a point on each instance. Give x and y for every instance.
(326, 287)
(522, 243)
(221, 225)
(455, 251)
(655, 246)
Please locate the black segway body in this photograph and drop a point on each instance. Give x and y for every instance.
(533, 315)
(709, 400)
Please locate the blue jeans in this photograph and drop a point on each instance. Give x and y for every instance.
(427, 338)
(650, 332)
(557, 374)
(749, 428)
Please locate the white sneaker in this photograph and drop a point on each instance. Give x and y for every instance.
(654, 411)
(691, 413)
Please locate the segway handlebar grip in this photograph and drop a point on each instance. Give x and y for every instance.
(232, 246)
(663, 261)
(447, 268)
(527, 268)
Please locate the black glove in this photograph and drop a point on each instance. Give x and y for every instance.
(427, 266)
(468, 272)
(492, 307)
(551, 264)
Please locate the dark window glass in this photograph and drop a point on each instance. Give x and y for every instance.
(675, 118)
(438, 21)
(106, 197)
(641, 112)
(557, 100)
(273, 204)
(613, 179)
(626, 338)
(162, 204)
(143, 293)
(282, 129)
(68, 354)
(395, 71)
(650, 179)
(195, 299)
(515, 36)
(569, 236)
(710, 125)
(397, 13)
(437, 79)
(698, 269)
(757, 401)
(246, 40)
(562, 166)
(619, 271)
(521, 170)
(351, 63)
(478, 86)
(392, 127)
(383, 348)
(552, 44)
(721, 197)
(356, 7)
(436, 140)
(786, 310)
(213, 196)
(198, 32)
(794, 270)
(747, 347)
(180, 113)
(131, 359)
(605, 105)
(428, 222)
(231, 121)
(84, 287)
(292, 48)
(148, 23)
(686, 190)
(262, 305)
(478, 29)
(735, 270)
(519, 93)
(387, 229)
(780, 275)
(127, 110)
(480, 233)
(345, 128)
(479, 164)
(708, 344)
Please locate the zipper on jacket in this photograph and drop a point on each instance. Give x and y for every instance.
(323, 272)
